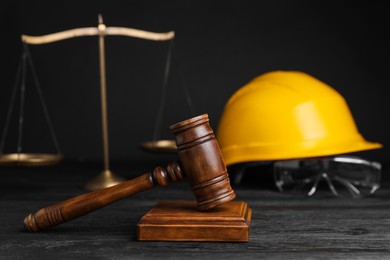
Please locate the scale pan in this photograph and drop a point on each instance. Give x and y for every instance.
(161, 146)
(29, 159)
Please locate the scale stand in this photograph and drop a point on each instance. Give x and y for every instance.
(106, 178)
(21, 158)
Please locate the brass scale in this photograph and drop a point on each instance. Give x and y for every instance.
(106, 178)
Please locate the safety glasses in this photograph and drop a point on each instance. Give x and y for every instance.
(343, 176)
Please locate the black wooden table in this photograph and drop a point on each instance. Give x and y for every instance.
(282, 227)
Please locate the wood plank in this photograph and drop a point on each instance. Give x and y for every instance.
(281, 227)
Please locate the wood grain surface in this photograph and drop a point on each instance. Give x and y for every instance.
(281, 227)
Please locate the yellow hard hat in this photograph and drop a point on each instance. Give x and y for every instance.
(287, 115)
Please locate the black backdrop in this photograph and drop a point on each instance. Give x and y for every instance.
(220, 46)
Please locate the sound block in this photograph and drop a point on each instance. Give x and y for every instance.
(181, 221)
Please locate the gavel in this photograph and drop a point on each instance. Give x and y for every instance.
(200, 161)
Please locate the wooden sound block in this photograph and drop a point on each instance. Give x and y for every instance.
(181, 221)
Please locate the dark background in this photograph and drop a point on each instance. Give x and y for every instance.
(220, 46)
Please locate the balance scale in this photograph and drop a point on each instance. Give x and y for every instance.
(106, 178)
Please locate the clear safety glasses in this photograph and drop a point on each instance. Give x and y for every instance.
(343, 176)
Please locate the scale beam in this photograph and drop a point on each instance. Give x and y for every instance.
(94, 31)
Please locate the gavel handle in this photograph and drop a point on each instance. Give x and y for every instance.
(83, 204)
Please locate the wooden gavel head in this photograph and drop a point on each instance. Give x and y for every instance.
(202, 162)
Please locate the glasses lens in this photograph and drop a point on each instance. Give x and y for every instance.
(343, 176)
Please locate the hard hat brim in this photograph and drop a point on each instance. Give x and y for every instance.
(261, 153)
